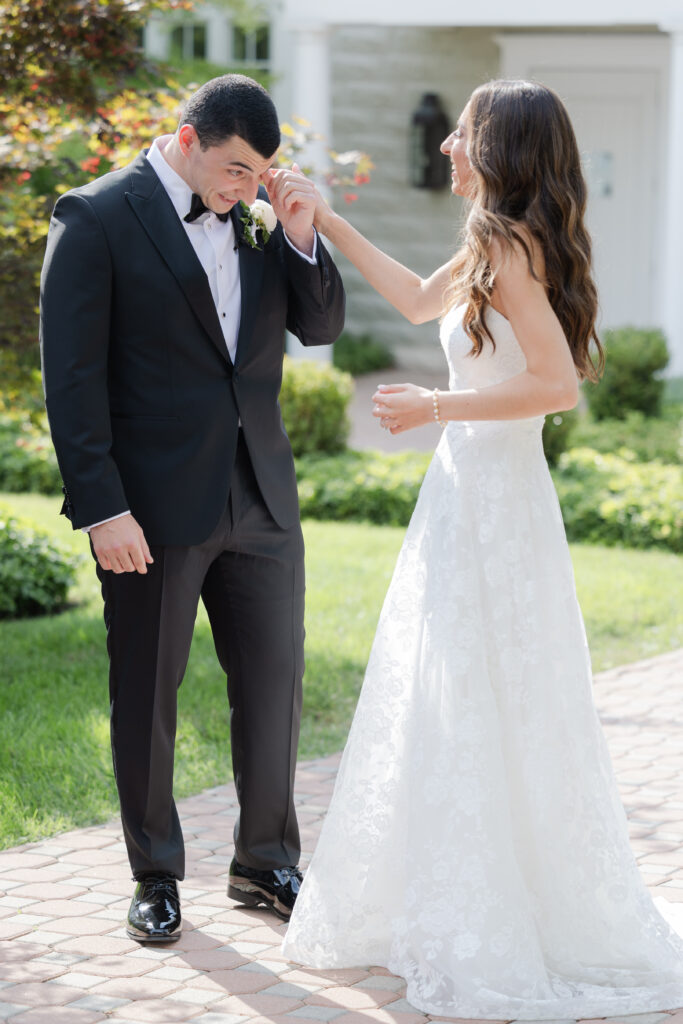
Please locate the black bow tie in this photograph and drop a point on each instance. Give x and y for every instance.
(197, 208)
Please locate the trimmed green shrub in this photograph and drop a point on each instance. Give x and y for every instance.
(649, 438)
(632, 359)
(27, 458)
(358, 354)
(606, 499)
(314, 399)
(556, 433)
(673, 391)
(365, 485)
(35, 573)
(612, 499)
(21, 383)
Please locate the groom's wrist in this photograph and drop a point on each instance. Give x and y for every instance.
(304, 243)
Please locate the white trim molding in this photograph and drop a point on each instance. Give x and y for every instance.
(672, 268)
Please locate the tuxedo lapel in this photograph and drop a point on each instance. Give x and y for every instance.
(155, 211)
(251, 279)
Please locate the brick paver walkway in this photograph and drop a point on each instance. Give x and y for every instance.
(64, 955)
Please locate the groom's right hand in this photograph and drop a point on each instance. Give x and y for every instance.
(120, 545)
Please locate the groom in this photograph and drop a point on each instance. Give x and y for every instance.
(162, 334)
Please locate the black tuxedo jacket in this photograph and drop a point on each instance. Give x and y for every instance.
(142, 397)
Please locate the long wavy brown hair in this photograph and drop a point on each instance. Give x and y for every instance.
(527, 175)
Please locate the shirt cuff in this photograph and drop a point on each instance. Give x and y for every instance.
(87, 529)
(313, 258)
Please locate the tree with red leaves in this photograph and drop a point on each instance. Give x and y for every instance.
(61, 51)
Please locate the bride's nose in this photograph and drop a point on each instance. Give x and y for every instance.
(447, 144)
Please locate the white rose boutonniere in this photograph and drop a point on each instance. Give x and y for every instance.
(260, 216)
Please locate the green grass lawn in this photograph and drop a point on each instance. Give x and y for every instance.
(55, 768)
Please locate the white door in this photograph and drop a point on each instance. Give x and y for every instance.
(616, 113)
(614, 116)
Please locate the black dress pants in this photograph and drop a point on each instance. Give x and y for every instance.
(250, 576)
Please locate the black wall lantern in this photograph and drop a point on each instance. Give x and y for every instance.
(429, 168)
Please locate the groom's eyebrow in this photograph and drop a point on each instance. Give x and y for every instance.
(248, 167)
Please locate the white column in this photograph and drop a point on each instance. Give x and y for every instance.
(310, 92)
(218, 50)
(672, 312)
(156, 38)
(310, 97)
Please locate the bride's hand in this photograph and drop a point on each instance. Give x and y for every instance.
(401, 407)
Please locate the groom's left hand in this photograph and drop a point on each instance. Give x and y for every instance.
(293, 198)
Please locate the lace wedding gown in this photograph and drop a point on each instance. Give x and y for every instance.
(476, 844)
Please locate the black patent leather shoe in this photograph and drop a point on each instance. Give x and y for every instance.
(154, 914)
(276, 889)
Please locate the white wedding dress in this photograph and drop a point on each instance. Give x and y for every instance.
(476, 844)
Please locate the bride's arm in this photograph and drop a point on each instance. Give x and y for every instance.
(548, 384)
(418, 299)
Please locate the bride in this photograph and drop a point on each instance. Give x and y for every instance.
(476, 844)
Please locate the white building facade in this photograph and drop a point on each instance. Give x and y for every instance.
(358, 69)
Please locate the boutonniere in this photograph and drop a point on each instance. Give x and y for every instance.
(260, 216)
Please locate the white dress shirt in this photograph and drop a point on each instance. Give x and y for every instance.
(214, 242)
(212, 239)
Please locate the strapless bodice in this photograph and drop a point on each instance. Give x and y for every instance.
(491, 366)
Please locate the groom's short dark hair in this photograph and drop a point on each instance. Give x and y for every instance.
(233, 105)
